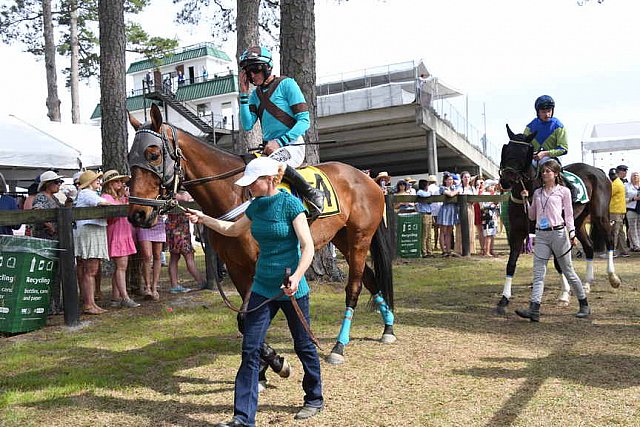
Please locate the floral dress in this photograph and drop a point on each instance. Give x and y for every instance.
(178, 234)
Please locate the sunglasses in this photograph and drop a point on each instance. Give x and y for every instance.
(58, 181)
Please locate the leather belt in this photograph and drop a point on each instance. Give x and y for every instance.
(554, 228)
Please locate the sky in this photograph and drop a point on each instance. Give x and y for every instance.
(501, 54)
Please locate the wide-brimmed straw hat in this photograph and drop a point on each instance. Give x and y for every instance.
(114, 175)
(432, 178)
(46, 177)
(410, 180)
(87, 178)
(383, 176)
(262, 166)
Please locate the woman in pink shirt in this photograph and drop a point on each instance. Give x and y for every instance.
(554, 237)
(119, 238)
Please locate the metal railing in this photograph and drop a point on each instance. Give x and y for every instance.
(407, 72)
(365, 78)
(445, 111)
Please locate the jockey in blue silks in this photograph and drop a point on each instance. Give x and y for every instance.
(551, 138)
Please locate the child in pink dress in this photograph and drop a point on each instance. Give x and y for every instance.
(119, 239)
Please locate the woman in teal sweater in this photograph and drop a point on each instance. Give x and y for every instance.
(278, 223)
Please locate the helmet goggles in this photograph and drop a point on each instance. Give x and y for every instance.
(255, 68)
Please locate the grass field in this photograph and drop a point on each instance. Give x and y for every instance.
(173, 363)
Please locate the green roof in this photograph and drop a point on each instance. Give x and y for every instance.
(180, 55)
(217, 86)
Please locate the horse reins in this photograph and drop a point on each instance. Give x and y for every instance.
(168, 202)
(294, 303)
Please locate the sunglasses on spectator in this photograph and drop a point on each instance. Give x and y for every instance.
(58, 181)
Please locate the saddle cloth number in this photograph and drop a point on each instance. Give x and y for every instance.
(319, 180)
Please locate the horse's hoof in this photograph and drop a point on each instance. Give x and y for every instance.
(501, 308)
(335, 359)
(388, 339)
(563, 299)
(286, 369)
(614, 280)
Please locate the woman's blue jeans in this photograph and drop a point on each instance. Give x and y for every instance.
(256, 324)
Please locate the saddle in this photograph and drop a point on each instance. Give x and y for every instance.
(319, 180)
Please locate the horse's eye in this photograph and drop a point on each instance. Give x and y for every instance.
(153, 155)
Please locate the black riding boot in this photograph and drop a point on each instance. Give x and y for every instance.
(533, 313)
(313, 196)
(584, 311)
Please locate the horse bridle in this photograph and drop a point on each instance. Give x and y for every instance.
(169, 171)
(171, 176)
(521, 178)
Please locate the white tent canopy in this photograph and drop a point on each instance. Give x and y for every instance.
(26, 152)
(87, 139)
(605, 137)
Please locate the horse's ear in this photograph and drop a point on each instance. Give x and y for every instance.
(531, 136)
(510, 133)
(156, 118)
(134, 122)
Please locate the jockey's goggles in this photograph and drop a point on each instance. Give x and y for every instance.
(255, 68)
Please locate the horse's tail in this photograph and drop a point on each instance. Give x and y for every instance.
(382, 256)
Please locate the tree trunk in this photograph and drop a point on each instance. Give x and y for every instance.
(248, 35)
(298, 60)
(53, 102)
(75, 48)
(113, 85)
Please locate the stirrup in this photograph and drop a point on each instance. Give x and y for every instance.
(314, 211)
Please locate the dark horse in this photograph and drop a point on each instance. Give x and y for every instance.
(162, 154)
(517, 173)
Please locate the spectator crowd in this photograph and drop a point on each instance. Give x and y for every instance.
(106, 245)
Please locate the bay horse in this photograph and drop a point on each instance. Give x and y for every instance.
(516, 174)
(162, 156)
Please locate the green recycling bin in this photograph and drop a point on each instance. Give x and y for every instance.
(27, 270)
(409, 233)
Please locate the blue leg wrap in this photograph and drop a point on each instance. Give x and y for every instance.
(345, 329)
(385, 312)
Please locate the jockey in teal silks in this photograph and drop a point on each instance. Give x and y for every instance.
(282, 110)
(551, 138)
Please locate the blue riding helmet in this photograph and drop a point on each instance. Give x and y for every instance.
(256, 59)
(544, 102)
(256, 55)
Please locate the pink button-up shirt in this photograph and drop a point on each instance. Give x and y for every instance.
(550, 205)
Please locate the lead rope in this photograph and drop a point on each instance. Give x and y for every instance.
(525, 200)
